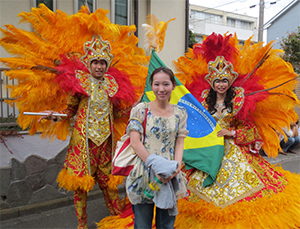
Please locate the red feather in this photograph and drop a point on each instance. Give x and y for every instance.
(126, 91)
(250, 100)
(66, 76)
(215, 45)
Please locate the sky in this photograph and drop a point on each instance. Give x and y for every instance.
(243, 6)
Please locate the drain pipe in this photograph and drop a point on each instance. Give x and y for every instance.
(136, 16)
(187, 17)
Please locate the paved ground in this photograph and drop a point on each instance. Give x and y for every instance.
(64, 217)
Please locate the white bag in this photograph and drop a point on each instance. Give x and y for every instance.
(125, 157)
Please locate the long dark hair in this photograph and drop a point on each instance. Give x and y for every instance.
(211, 100)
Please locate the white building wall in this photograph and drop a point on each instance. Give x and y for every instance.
(242, 34)
(204, 27)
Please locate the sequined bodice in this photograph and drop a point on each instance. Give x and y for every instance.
(98, 112)
(224, 119)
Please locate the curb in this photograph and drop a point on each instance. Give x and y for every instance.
(283, 160)
(11, 213)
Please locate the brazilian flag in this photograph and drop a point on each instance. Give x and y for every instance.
(203, 150)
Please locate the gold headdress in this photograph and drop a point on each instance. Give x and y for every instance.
(97, 49)
(220, 69)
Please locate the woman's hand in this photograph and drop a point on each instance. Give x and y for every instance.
(165, 180)
(49, 116)
(224, 132)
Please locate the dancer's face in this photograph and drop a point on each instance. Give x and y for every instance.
(98, 68)
(221, 86)
(162, 86)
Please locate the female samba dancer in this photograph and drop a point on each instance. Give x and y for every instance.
(248, 191)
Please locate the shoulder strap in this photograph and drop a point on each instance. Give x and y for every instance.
(145, 119)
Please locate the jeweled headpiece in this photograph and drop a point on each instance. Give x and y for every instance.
(97, 49)
(220, 69)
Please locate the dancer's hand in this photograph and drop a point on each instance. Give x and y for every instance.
(224, 132)
(49, 116)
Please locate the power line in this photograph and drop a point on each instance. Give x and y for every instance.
(209, 8)
(228, 3)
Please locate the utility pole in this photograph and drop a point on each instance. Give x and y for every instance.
(261, 20)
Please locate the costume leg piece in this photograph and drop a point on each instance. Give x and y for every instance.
(112, 200)
(101, 162)
(80, 208)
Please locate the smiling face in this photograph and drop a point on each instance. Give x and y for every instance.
(162, 86)
(98, 68)
(221, 86)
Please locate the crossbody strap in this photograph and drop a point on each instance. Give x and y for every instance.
(145, 119)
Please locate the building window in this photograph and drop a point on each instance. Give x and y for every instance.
(210, 18)
(231, 22)
(216, 19)
(121, 12)
(246, 25)
(48, 3)
(239, 24)
(90, 4)
(197, 15)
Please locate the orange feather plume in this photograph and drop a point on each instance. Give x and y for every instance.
(253, 62)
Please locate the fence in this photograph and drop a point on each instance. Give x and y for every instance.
(6, 111)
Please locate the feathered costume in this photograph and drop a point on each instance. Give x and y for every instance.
(53, 67)
(38, 52)
(249, 192)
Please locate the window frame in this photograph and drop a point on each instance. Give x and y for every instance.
(113, 12)
(33, 4)
(76, 6)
